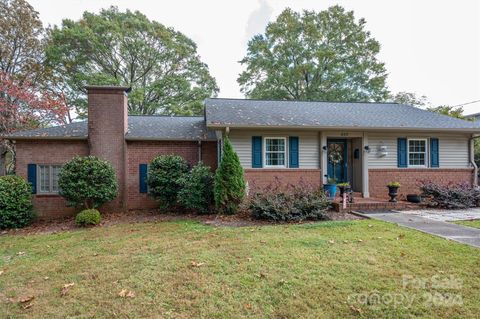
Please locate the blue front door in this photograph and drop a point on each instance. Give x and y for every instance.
(337, 160)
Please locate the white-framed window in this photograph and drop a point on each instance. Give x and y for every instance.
(417, 152)
(47, 176)
(275, 151)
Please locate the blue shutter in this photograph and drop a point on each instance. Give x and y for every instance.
(402, 152)
(32, 177)
(143, 168)
(293, 150)
(257, 152)
(434, 153)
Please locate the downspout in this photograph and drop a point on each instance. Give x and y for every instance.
(199, 151)
(471, 153)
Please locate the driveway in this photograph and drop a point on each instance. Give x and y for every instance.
(459, 233)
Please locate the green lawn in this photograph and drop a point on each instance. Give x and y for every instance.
(256, 272)
(470, 223)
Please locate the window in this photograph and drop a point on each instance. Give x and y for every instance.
(275, 150)
(48, 178)
(417, 152)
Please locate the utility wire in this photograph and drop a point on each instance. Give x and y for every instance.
(476, 101)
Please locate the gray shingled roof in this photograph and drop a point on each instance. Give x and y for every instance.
(262, 113)
(139, 128)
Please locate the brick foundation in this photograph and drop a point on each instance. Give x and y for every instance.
(260, 178)
(410, 178)
(48, 152)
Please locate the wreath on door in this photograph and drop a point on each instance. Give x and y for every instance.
(335, 157)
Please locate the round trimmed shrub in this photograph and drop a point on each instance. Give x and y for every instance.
(87, 181)
(16, 209)
(164, 174)
(197, 189)
(229, 186)
(88, 217)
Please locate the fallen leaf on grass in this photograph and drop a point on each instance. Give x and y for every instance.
(356, 309)
(249, 259)
(248, 306)
(28, 305)
(65, 288)
(331, 241)
(360, 240)
(195, 264)
(345, 241)
(263, 242)
(124, 293)
(370, 225)
(261, 275)
(20, 253)
(1, 272)
(46, 278)
(402, 254)
(26, 299)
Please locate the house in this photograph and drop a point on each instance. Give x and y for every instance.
(475, 116)
(366, 144)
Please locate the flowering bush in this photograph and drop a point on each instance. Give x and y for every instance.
(289, 203)
(451, 196)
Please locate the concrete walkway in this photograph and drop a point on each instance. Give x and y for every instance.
(459, 233)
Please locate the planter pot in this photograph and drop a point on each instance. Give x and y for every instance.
(412, 198)
(393, 193)
(330, 190)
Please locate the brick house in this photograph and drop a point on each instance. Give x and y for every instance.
(366, 144)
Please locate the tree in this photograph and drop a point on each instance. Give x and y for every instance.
(126, 48)
(88, 182)
(21, 47)
(229, 185)
(452, 111)
(409, 98)
(314, 56)
(24, 106)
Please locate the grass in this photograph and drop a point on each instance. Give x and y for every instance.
(285, 271)
(470, 223)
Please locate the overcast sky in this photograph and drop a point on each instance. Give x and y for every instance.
(430, 47)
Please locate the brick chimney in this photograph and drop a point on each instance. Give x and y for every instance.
(107, 126)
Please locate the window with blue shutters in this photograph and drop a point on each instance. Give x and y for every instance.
(32, 176)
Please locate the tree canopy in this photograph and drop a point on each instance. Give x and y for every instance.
(126, 48)
(325, 55)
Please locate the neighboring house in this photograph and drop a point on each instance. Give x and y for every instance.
(371, 143)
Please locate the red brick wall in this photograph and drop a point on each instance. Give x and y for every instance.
(140, 152)
(48, 152)
(107, 125)
(260, 178)
(410, 178)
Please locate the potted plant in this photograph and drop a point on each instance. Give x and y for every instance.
(393, 191)
(330, 188)
(343, 187)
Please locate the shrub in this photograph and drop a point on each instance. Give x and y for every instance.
(164, 175)
(289, 203)
(229, 185)
(88, 182)
(197, 189)
(451, 196)
(16, 209)
(393, 184)
(88, 217)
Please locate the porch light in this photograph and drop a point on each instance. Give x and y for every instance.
(367, 148)
(324, 147)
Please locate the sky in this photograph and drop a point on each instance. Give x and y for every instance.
(429, 47)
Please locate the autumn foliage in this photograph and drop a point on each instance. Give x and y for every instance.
(24, 106)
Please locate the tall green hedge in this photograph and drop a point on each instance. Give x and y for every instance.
(164, 175)
(229, 186)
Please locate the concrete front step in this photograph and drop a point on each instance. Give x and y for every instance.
(368, 206)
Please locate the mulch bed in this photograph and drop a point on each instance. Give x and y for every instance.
(242, 219)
